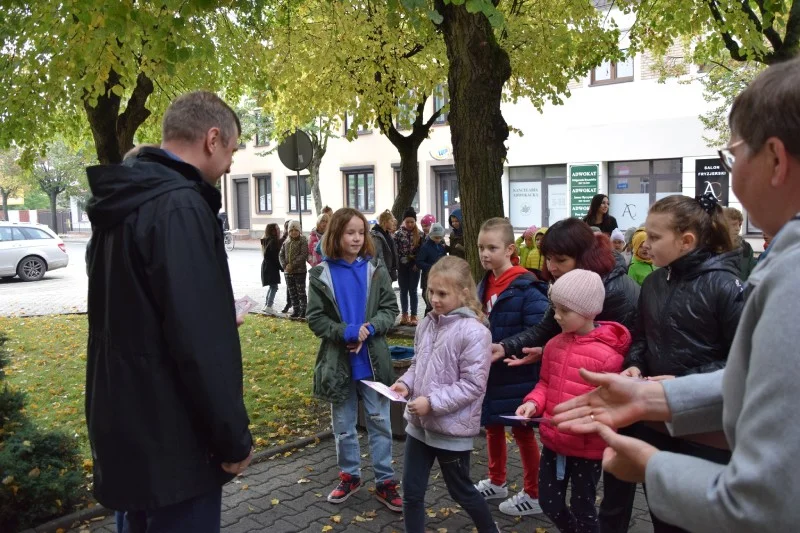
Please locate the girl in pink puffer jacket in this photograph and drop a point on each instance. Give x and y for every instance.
(446, 383)
(577, 298)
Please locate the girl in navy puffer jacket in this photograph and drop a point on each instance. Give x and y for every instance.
(514, 300)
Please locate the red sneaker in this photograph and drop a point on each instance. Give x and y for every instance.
(386, 493)
(347, 486)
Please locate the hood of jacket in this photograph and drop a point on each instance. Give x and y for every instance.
(456, 213)
(612, 334)
(117, 190)
(620, 268)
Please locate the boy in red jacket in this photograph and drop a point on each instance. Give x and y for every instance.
(577, 298)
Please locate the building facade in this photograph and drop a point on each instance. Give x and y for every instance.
(620, 132)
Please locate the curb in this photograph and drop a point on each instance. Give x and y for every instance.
(67, 522)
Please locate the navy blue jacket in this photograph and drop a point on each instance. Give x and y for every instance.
(521, 306)
(429, 253)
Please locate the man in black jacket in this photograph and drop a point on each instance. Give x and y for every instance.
(164, 407)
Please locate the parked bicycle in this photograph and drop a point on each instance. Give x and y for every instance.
(230, 242)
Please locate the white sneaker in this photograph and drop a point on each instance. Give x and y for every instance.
(520, 505)
(490, 491)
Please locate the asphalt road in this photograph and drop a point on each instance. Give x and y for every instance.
(64, 290)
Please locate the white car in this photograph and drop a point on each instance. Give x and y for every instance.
(29, 250)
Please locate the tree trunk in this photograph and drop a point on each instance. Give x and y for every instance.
(409, 175)
(408, 148)
(478, 69)
(313, 176)
(4, 194)
(53, 211)
(113, 132)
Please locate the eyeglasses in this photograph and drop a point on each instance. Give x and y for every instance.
(727, 157)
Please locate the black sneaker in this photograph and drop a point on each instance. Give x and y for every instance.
(386, 493)
(348, 485)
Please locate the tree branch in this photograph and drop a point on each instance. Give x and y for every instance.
(766, 27)
(417, 48)
(791, 41)
(730, 43)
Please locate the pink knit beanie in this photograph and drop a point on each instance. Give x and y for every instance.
(530, 232)
(581, 291)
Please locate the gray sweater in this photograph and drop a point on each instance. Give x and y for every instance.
(755, 401)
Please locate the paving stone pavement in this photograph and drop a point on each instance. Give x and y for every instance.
(301, 481)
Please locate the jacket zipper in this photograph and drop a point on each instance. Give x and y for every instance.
(366, 315)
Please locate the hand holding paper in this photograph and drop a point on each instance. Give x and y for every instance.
(243, 306)
(383, 389)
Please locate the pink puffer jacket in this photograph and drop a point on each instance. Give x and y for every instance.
(602, 350)
(452, 355)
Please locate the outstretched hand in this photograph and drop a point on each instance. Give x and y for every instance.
(618, 401)
(625, 457)
(531, 355)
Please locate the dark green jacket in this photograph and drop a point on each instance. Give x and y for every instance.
(332, 369)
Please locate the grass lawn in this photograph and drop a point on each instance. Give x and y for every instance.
(48, 362)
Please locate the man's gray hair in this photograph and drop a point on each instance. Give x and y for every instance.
(190, 116)
(770, 107)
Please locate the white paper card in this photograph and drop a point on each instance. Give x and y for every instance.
(383, 389)
(243, 306)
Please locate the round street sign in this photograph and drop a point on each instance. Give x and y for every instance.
(296, 151)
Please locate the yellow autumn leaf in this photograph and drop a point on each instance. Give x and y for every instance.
(336, 519)
(540, 530)
(275, 501)
(360, 518)
(327, 528)
(34, 472)
(8, 480)
(441, 530)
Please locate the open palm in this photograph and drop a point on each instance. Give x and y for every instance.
(618, 401)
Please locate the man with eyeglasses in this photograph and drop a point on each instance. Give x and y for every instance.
(753, 398)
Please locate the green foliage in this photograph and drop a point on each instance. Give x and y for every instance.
(721, 84)
(35, 198)
(63, 169)
(60, 59)
(762, 32)
(40, 474)
(733, 40)
(12, 176)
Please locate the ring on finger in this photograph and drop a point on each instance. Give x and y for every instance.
(591, 416)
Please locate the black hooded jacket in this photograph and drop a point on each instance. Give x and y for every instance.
(622, 293)
(687, 316)
(164, 400)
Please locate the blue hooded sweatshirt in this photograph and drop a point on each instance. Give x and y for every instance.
(350, 290)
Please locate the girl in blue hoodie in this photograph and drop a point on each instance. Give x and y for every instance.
(351, 307)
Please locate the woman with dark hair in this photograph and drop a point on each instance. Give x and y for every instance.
(567, 245)
(598, 215)
(271, 265)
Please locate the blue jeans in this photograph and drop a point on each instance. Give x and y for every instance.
(379, 430)
(408, 279)
(271, 292)
(417, 465)
(198, 515)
